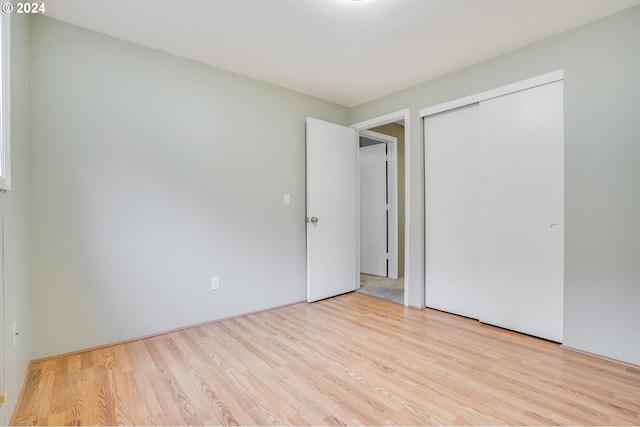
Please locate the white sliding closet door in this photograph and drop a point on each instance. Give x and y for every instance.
(521, 186)
(494, 183)
(453, 224)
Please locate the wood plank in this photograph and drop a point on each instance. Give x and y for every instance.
(349, 360)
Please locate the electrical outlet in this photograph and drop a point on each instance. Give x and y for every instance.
(15, 333)
(215, 283)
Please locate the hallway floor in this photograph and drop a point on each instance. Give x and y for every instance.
(382, 287)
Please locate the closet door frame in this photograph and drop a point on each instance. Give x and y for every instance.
(543, 79)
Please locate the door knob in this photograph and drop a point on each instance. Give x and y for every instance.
(314, 220)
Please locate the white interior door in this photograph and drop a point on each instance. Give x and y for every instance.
(332, 210)
(373, 209)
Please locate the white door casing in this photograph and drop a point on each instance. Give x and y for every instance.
(373, 209)
(392, 200)
(332, 199)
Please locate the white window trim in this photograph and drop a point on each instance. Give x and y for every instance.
(5, 137)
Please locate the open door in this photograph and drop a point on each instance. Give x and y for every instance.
(332, 210)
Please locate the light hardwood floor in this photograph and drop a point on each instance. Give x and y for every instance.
(352, 359)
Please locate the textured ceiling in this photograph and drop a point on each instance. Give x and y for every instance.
(345, 51)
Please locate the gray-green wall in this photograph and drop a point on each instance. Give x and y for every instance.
(16, 224)
(149, 175)
(601, 63)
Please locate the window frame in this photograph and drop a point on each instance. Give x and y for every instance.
(5, 134)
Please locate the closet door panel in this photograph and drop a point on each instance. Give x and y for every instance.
(452, 223)
(521, 188)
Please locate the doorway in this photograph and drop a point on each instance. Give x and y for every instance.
(382, 211)
(332, 209)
